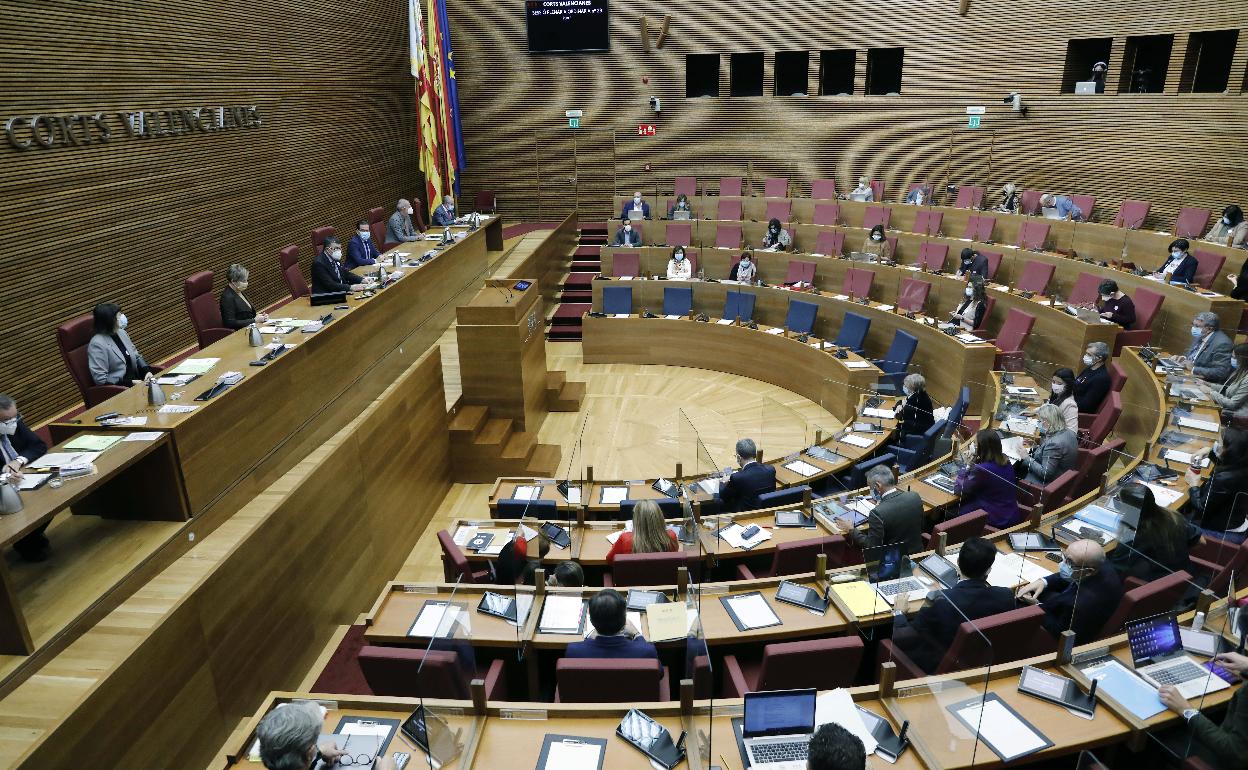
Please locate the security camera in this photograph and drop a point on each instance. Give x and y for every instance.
(655, 104)
(1015, 100)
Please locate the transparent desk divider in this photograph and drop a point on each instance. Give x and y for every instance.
(445, 672)
(698, 669)
(1088, 761)
(572, 490)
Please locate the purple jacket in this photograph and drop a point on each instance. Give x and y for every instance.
(990, 487)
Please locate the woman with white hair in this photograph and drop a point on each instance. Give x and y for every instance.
(1009, 198)
(1057, 451)
(916, 410)
(863, 191)
(288, 739)
(237, 311)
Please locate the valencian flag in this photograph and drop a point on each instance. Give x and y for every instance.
(450, 101)
(428, 86)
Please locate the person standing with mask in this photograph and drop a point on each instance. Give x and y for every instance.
(361, 250)
(112, 358)
(20, 446)
(678, 268)
(328, 273)
(1080, 596)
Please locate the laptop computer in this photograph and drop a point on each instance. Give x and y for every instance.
(1159, 658)
(1085, 87)
(903, 587)
(776, 728)
(680, 215)
(883, 562)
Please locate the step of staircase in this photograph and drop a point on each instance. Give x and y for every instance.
(496, 432)
(469, 420)
(577, 297)
(519, 446)
(564, 333)
(579, 280)
(587, 267)
(544, 461)
(555, 379)
(587, 252)
(567, 399)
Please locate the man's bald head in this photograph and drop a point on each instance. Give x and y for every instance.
(1086, 555)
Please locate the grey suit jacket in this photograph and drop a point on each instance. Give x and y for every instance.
(897, 519)
(1233, 395)
(1054, 456)
(399, 228)
(1214, 361)
(105, 362)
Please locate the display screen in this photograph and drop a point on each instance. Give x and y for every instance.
(567, 25)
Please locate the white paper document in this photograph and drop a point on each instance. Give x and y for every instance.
(775, 331)
(621, 315)
(527, 492)
(65, 460)
(561, 614)
(884, 414)
(998, 726)
(733, 535)
(32, 480)
(566, 755)
(753, 611)
(126, 422)
(968, 338)
(574, 495)
(1011, 570)
(1192, 422)
(802, 468)
(147, 435)
(837, 707)
(725, 322)
(1013, 448)
(1183, 457)
(1165, 496)
(176, 409)
(854, 439)
(524, 603)
(886, 309)
(436, 619)
(177, 380)
(857, 364)
(463, 535)
(195, 366)
(614, 495)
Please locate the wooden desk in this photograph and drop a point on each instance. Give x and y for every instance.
(132, 480)
(225, 438)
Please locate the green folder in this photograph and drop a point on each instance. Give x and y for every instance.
(90, 443)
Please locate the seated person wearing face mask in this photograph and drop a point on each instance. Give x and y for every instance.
(399, 228)
(1232, 395)
(1219, 503)
(1231, 229)
(1009, 198)
(1084, 592)
(636, 204)
(877, 244)
(328, 273)
(776, 238)
(863, 191)
(112, 358)
(681, 205)
(972, 262)
(919, 195)
(626, 235)
(916, 410)
(20, 446)
(444, 214)
(1062, 395)
(1180, 267)
(1115, 306)
(236, 310)
(970, 314)
(1057, 451)
(678, 268)
(740, 492)
(612, 638)
(288, 738)
(896, 518)
(361, 251)
(1209, 357)
(1092, 384)
(744, 271)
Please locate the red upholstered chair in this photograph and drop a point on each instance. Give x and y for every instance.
(1191, 222)
(1035, 277)
(928, 222)
(858, 282)
(1032, 235)
(823, 189)
(1147, 305)
(994, 263)
(979, 227)
(1052, 496)
(685, 185)
(999, 638)
(932, 256)
(1208, 267)
(455, 566)
(419, 673)
(824, 664)
(776, 187)
(800, 271)
(1218, 560)
(319, 234)
(1029, 202)
(827, 214)
(73, 337)
(625, 264)
(1085, 203)
(891, 240)
(376, 215)
(830, 243)
(913, 295)
(1105, 420)
(781, 210)
(418, 215)
(648, 569)
(486, 202)
(729, 210)
(203, 308)
(1158, 596)
(1093, 464)
(378, 232)
(730, 185)
(288, 260)
(692, 256)
(728, 237)
(876, 215)
(1117, 379)
(601, 680)
(959, 528)
(679, 234)
(877, 190)
(981, 331)
(798, 557)
(1131, 214)
(969, 197)
(1085, 290)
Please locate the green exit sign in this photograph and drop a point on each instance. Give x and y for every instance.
(574, 122)
(972, 121)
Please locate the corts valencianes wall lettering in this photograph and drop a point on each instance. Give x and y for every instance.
(80, 129)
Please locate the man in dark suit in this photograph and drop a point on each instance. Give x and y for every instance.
(444, 214)
(1081, 596)
(741, 491)
(896, 518)
(20, 446)
(926, 639)
(636, 204)
(328, 273)
(627, 235)
(972, 263)
(361, 250)
(1209, 357)
(611, 638)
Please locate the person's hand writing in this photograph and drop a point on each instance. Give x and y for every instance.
(1170, 696)
(14, 469)
(1031, 592)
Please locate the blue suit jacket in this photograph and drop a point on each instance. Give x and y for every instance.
(628, 206)
(612, 647)
(742, 489)
(361, 252)
(1186, 271)
(442, 216)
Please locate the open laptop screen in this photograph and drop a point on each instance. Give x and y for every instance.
(779, 712)
(1153, 638)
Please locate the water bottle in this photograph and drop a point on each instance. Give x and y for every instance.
(446, 235)
(155, 395)
(253, 336)
(396, 261)
(10, 500)
(381, 274)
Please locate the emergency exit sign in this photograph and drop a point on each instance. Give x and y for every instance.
(646, 129)
(574, 122)
(972, 121)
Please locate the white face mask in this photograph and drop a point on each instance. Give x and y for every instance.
(745, 263)
(1226, 221)
(864, 183)
(1196, 331)
(1176, 254)
(1088, 360)
(636, 199)
(122, 321)
(242, 285)
(877, 237)
(8, 427)
(1059, 388)
(364, 235)
(628, 228)
(336, 253)
(969, 291)
(680, 256)
(1106, 297)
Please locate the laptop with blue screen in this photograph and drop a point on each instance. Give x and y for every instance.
(777, 728)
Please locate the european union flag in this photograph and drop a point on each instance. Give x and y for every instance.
(452, 93)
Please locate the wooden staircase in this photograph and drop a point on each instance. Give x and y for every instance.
(484, 448)
(561, 395)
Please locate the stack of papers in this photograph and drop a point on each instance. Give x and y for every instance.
(175, 409)
(886, 309)
(32, 480)
(125, 422)
(855, 440)
(66, 461)
(968, 338)
(751, 611)
(857, 364)
(1013, 448)
(775, 331)
(150, 435)
(1192, 422)
(837, 707)
(561, 614)
(801, 468)
(463, 535)
(1011, 570)
(177, 380)
(885, 414)
(439, 619)
(526, 492)
(1165, 496)
(861, 598)
(91, 443)
(667, 621)
(1183, 457)
(732, 534)
(725, 322)
(195, 366)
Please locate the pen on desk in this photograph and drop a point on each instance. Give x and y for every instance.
(1029, 556)
(724, 763)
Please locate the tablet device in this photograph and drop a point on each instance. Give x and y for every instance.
(1033, 541)
(1204, 643)
(522, 285)
(651, 738)
(639, 599)
(498, 605)
(939, 567)
(1046, 685)
(431, 734)
(794, 519)
(556, 534)
(800, 595)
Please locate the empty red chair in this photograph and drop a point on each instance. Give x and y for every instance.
(647, 569)
(1085, 290)
(858, 282)
(800, 271)
(421, 673)
(685, 185)
(1105, 420)
(1131, 214)
(288, 260)
(679, 234)
(319, 234)
(932, 256)
(830, 243)
(1035, 277)
(928, 222)
(1220, 559)
(1085, 203)
(891, 240)
(824, 664)
(728, 237)
(1152, 598)
(979, 227)
(728, 209)
(73, 337)
(1029, 202)
(376, 215)
(779, 210)
(913, 295)
(1011, 339)
(823, 189)
(798, 557)
(959, 528)
(1093, 464)
(455, 566)
(876, 215)
(827, 214)
(625, 264)
(602, 680)
(730, 185)
(1147, 304)
(485, 202)
(969, 197)
(1051, 496)
(691, 255)
(1032, 235)
(994, 263)
(999, 638)
(776, 187)
(1208, 267)
(1117, 378)
(204, 310)
(877, 190)
(1191, 222)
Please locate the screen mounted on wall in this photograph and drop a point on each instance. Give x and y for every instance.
(567, 25)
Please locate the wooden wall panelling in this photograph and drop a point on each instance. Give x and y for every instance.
(550, 259)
